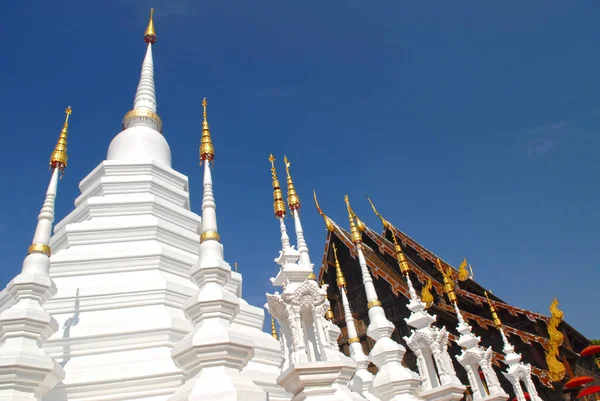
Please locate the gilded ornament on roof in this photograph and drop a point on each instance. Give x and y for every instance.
(426, 296)
(328, 222)
(556, 369)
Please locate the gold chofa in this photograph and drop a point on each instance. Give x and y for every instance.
(150, 34)
(58, 158)
(328, 222)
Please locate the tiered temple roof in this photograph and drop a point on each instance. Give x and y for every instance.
(527, 330)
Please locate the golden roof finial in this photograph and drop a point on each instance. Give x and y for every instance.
(463, 273)
(150, 34)
(355, 228)
(58, 158)
(293, 199)
(495, 317)
(207, 151)
(426, 296)
(448, 283)
(328, 222)
(386, 224)
(402, 262)
(278, 203)
(339, 275)
(273, 329)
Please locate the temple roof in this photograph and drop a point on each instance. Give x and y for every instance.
(381, 258)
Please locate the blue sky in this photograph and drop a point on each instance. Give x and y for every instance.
(472, 125)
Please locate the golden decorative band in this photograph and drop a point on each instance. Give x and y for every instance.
(210, 235)
(143, 113)
(353, 340)
(452, 297)
(372, 304)
(39, 248)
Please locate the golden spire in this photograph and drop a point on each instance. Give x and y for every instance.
(355, 228)
(58, 158)
(339, 275)
(278, 203)
(386, 224)
(497, 321)
(448, 283)
(293, 199)
(150, 34)
(273, 329)
(328, 222)
(207, 151)
(426, 296)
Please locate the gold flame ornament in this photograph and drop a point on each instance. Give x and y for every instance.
(556, 369)
(278, 203)
(426, 296)
(386, 224)
(150, 34)
(207, 150)
(328, 222)
(59, 157)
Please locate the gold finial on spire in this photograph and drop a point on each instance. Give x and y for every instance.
(339, 275)
(207, 151)
(386, 224)
(495, 317)
(448, 283)
(273, 329)
(355, 228)
(278, 203)
(328, 222)
(150, 34)
(426, 296)
(58, 158)
(293, 199)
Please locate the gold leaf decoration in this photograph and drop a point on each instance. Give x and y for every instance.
(426, 295)
(463, 273)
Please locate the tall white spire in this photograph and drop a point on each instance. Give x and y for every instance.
(393, 381)
(28, 371)
(294, 205)
(516, 370)
(141, 138)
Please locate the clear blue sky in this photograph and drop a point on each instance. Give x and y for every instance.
(472, 125)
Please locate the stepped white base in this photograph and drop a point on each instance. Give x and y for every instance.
(361, 384)
(447, 392)
(495, 397)
(320, 381)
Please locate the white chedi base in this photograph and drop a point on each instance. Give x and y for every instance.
(121, 266)
(214, 353)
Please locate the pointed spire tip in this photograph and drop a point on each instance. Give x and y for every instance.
(150, 34)
(59, 157)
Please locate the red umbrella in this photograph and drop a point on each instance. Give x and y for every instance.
(590, 350)
(588, 391)
(578, 381)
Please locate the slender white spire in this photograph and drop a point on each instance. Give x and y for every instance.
(209, 236)
(26, 325)
(294, 205)
(279, 206)
(144, 104)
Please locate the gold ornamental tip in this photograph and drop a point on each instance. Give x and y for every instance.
(328, 222)
(386, 224)
(495, 317)
(448, 283)
(58, 158)
(278, 203)
(339, 275)
(273, 329)
(293, 199)
(312, 277)
(150, 34)
(207, 151)
(354, 227)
